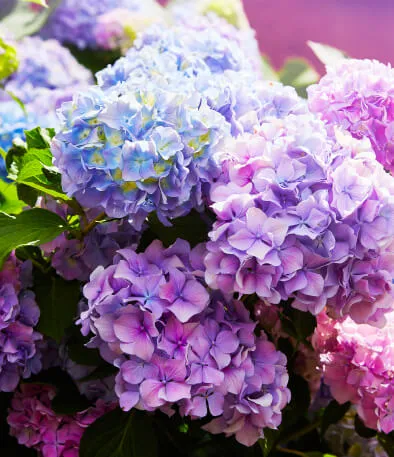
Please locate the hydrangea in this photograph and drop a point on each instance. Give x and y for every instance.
(76, 258)
(45, 64)
(19, 313)
(93, 24)
(47, 76)
(358, 365)
(174, 344)
(346, 442)
(138, 148)
(303, 218)
(358, 96)
(35, 425)
(226, 18)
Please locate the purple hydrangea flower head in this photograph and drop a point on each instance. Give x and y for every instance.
(175, 344)
(357, 364)
(19, 313)
(91, 24)
(357, 95)
(35, 424)
(305, 217)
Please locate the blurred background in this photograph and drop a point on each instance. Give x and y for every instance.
(361, 28)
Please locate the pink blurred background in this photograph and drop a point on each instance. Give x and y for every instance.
(362, 28)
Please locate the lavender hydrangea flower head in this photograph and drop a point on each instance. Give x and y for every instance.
(92, 24)
(174, 344)
(357, 96)
(304, 218)
(35, 425)
(19, 313)
(358, 364)
(226, 18)
(53, 68)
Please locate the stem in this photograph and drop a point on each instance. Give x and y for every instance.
(290, 451)
(93, 224)
(304, 431)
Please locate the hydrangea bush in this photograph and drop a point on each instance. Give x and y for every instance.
(195, 260)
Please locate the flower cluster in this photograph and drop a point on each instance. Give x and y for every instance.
(100, 24)
(300, 217)
(45, 64)
(19, 313)
(35, 425)
(227, 18)
(358, 365)
(47, 76)
(174, 344)
(357, 95)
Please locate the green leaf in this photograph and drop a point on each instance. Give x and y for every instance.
(39, 138)
(327, 55)
(32, 166)
(94, 61)
(32, 227)
(318, 454)
(25, 21)
(362, 430)
(8, 60)
(58, 302)
(333, 414)
(9, 200)
(299, 74)
(17, 100)
(119, 434)
(270, 438)
(77, 350)
(387, 443)
(298, 324)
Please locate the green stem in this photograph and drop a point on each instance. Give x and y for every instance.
(93, 224)
(304, 431)
(290, 451)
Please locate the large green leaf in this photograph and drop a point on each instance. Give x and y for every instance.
(387, 442)
(119, 434)
(9, 201)
(32, 227)
(58, 302)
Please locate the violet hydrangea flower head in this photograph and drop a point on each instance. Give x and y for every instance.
(357, 95)
(357, 362)
(301, 217)
(35, 425)
(19, 313)
(174, 344)
(91, 24)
